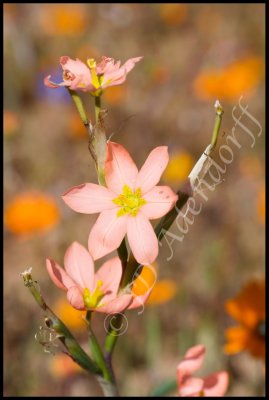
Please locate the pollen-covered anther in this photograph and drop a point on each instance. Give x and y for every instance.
(91, 300)
(129, 201)
(91, 63)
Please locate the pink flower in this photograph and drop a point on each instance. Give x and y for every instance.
(87, 290)
(130, 200)
(93, 77)
(213, 385)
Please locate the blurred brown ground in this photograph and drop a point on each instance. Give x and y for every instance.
(46, 151)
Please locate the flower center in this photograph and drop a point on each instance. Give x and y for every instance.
(91, 300)
(97, 79)
(129, 201)
(68, 76)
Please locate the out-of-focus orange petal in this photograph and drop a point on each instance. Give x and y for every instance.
(77, 128)
(244, 315)
(237, 338)
(179, 167)
(173, 14)
(31, 212)
(115, 94)
(69, 315)
(163, 291)
(241, 76)
(11, 122)
(62, 366)
(63, 19)
(248, 307)
(261, 205)
(145, 280)
(256, 346)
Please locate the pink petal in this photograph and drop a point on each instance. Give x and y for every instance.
(216, 384)
(89, 198)
(113, 81)
(129, 64)
(79, 265)
(115, 75)
(76, 67)
(152, 170)
(142, 239)
(191, 362)
(191, 387)
(107, 233)
(49, 83)
(75, 298)
(120, 169)
(110, 274)
(160, 200)
(139, 301)
(58, 275)
(115, 306)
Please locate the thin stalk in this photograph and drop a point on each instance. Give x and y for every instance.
(64, 335)
(79, 105)
(218, 119)
(97, 106)
(123, 255)
(97, 351)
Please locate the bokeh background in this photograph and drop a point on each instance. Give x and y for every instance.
(193, 55)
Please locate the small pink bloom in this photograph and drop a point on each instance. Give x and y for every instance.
(130, 200)
(213, 385)
(92, 77)
(87, 290)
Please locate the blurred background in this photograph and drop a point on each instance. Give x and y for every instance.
(193, 55)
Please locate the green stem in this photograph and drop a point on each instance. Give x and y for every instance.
(216, 129)
(64, 335)
(183, 195)
(97, 351)
(112, 336)
(97, 104)
(123, 255)
(79, 105)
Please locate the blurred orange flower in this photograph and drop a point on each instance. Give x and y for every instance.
(77, 128)
(173, 14)
(31, 212)
(69, 315)
(248, 308)
(11, 122)
(261, 205)
(115, 94)
(145, 280)
(62, 366)
(163, 290)
(63, 19)
(179, 167)
(230, 82)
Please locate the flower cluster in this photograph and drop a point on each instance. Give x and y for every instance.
(126, 199)
(126, 203)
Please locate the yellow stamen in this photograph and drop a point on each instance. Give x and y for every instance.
(129, 201)
(97, 80)
(92, 300)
